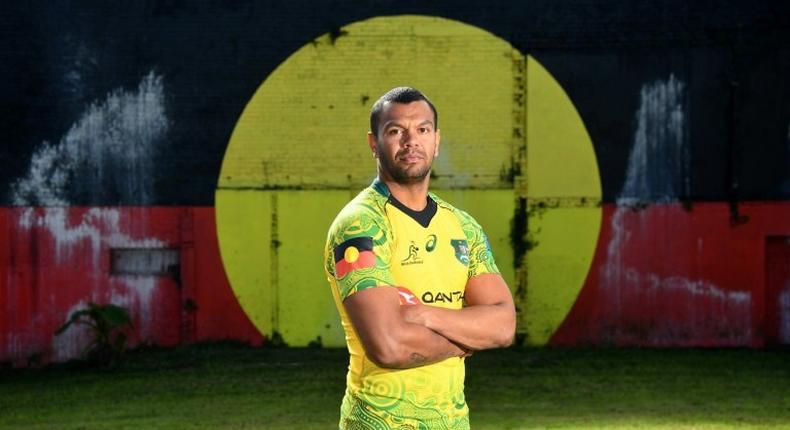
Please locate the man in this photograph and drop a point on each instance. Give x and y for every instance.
(414, 281)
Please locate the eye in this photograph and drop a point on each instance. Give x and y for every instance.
(393, 132)
(424, 130)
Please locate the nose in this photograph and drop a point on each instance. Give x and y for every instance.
(407, 139)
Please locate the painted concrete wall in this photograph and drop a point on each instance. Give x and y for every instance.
(55, 260)
(633, 183)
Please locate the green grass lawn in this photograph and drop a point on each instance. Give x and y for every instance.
(227, 386)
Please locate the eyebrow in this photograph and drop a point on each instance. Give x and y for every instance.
(391, 123)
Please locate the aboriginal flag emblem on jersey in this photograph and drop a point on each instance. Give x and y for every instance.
(353, 254)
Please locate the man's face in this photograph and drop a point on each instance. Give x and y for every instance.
(406, 142)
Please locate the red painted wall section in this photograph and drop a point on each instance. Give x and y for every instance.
(665, 276)
(56, 260)
(661, 276)
(219, 315)
(777, 300)
(5, 274)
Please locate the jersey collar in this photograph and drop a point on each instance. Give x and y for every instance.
(382, 189)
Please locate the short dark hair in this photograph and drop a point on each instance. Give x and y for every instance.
(403, 95)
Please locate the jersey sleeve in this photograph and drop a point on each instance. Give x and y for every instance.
(358, 254)
(481, 258)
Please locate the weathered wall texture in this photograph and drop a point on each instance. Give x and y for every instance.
(630, 163)
(55, 260)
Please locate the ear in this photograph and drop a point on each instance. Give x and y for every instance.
(438, 141)
(372, 144)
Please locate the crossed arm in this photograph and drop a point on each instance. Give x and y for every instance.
(398, 336)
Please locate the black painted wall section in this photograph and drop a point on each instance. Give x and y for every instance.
(734, 58)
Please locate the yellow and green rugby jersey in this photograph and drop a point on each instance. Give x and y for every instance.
(377, 241)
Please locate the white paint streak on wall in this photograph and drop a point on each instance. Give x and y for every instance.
(700, 288)
(106, 156)
(97, 231)
(652, 165)
(28, 218)
(656, 172)
(71, 343)
(613, 269)
(139, 291)
(107, 153)
(77, 64)
(658, 159)
(100, 227)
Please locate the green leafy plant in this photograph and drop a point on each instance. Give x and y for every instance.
(108, 324)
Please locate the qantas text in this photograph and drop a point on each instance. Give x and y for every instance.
(439, 297)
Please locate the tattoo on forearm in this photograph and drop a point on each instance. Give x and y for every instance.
(417, 358)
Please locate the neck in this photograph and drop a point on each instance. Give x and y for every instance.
(413, 196)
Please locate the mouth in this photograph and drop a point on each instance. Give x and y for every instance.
(410, 157)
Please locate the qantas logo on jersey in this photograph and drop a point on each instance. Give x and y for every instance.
(440, 297)
(406, 297)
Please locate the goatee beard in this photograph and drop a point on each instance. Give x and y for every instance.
(402, 176)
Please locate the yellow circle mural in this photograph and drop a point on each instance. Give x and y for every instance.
(298, 153)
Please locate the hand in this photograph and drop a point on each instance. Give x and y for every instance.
(417, 313)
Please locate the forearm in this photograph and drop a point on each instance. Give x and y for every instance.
(388, 338)
(475, 327)
(413, 345)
